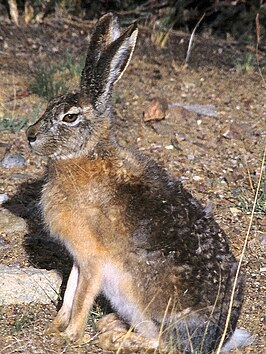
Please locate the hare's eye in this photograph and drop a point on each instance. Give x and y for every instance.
(70, 118)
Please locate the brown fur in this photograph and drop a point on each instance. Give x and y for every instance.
(134, 232)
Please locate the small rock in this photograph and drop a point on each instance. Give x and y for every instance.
(228, 134)
(199, 121)
(180, 137)
(179, 113)
(2, 244)
(3, 198)
(236, 131)
(235, 211)
(156, 110)
(28, 285)
(205, 110)
(14, 160)
(189, 85)
(22, 175)
(156, 147)
(10, 223)
(263, 240)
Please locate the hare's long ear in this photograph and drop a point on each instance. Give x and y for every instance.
(111, 63)
(106, 31)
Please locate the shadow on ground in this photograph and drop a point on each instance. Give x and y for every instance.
(43, 251)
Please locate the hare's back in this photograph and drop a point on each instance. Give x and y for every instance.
(164, 215)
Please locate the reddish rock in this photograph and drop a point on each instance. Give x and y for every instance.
(156, 110)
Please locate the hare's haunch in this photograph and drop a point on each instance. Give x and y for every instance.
(135, 234)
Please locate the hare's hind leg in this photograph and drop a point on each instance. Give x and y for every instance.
(114, 335)
(62, 318)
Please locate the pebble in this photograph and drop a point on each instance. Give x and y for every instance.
(206, 110)
(169, 147)
(22, 175)
(263, 240)
(3, 198)
(235, 211)
(2, 244)
(14, 160)
(190, 157)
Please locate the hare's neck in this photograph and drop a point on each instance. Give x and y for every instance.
(78, 167)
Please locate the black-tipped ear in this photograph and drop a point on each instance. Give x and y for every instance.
(111, 65)
(106, 31)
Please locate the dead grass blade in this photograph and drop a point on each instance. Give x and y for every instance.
(191, 39)
(218, 351)
(258, 35)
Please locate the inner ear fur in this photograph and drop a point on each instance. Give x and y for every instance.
(107, 66)
(117, 55)
(106, 31)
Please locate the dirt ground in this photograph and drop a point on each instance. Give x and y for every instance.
(218, 158)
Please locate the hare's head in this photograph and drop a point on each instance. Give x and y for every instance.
(76, 123)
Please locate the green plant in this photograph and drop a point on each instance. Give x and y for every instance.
(246, 200)
(15, 125)
(8, 123)
(44, 84)
(24, 320)
(161, 32)
(247, 63)
(117, 98)
(35, 113)
(74, 68)
(95, 314)
(53, 80)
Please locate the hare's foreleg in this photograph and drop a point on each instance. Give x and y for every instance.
(62, 318)
(88, 287)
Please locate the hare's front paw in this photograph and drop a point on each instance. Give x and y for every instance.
(69, 334)
(74, 334)
(60, 322)
(114, 335)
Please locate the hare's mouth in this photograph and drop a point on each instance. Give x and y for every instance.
(36, 149)
(40, 146)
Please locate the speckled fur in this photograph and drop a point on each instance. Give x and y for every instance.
(134, 232)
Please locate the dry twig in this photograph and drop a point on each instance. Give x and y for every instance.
(191, 39)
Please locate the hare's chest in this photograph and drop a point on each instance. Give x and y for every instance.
(69, 210)
(74, 195)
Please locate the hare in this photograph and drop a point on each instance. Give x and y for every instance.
(135, 234)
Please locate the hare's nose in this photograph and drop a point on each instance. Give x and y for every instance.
(31, 135)
(31, 139)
